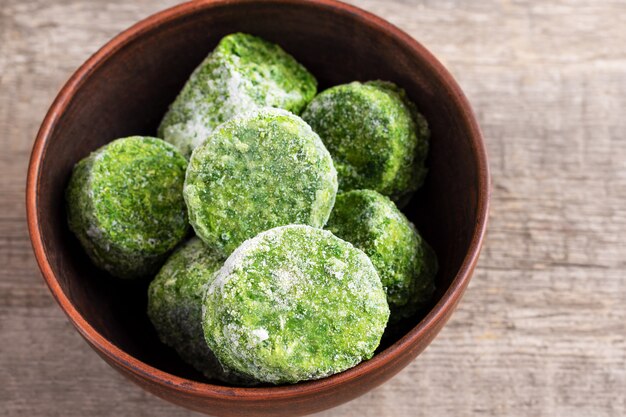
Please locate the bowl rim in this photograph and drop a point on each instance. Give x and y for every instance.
(122, 359)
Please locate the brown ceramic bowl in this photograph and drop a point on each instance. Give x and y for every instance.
(125, 88)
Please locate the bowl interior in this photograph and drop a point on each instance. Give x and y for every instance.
(128, 92)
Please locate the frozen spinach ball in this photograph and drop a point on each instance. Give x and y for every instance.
(376, 136)
(294, 303)
(175, 306)
(244, 72)
(125, 204)
(259, 170)
(175, 303)
(405, 262)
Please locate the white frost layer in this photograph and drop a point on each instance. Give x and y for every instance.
(261, 334)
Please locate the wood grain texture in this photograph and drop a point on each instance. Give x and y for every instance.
(542, 328)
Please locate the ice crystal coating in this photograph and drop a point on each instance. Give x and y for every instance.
(294, 303)
(244, 72)
(259, 170)
(405, 262)
(125, 205)
(175, 306)
(376, 136)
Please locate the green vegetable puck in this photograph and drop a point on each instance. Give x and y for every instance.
(125, 205)
(376, 137)
(259, 170)
(244, 72)
(175, 303)
(175, 307)
(294, 303)
(405, 262)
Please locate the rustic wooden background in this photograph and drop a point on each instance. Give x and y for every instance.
(542, 328)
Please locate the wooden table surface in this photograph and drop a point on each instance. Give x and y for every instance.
(542, 328)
